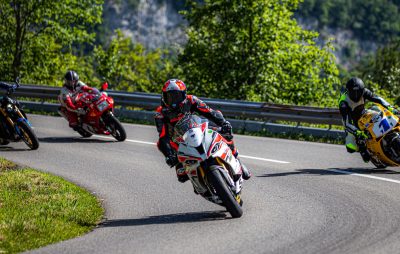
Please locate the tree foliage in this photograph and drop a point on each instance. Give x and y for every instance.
(130, 67)
(384, 69)
(255, 50)
(372, 20)
(37, 36)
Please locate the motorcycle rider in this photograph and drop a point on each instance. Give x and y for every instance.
(175, 103)
(72, 86)
(3, 131)
(351, 107)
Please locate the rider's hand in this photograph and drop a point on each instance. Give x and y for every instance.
(81, 111)
(361, 135)
(393, 110)
(226, 128)
(171, 160)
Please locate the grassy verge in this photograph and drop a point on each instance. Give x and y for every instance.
(37, 209)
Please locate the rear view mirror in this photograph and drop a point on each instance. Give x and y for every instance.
(104, 86)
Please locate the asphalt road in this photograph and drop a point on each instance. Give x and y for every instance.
(303, 198)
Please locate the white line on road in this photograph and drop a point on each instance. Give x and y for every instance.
(361, 175)
(276, 161)
(243, 156)
(263, 159)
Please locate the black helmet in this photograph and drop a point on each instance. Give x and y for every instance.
(71, 78)
(355, 88)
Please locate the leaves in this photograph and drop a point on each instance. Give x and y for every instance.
(34, 32)
(255, 50)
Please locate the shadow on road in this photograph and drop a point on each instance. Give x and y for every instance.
(12, 149)
(329, 171)
(168, 219)
(73, 140)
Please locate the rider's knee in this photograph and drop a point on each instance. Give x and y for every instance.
(350, 150)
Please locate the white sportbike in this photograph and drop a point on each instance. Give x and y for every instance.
(208, 161)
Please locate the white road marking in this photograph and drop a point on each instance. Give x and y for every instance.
(362, 175)
(263, 159)
(152, 143)
(276, 161)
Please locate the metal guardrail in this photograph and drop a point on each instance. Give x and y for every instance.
(247, 116)
(266, 112)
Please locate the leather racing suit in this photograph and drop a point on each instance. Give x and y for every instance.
(68, 103)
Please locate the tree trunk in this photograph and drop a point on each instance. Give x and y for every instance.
(16, 66)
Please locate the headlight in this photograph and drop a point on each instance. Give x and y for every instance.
(9, 108)
(101, 106)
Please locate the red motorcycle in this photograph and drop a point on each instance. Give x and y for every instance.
(99, 117)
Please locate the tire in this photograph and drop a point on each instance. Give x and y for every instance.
(4, 142)
(224, 193)
(27, 135)
(115, 127)
(84, 133)
(378, 164)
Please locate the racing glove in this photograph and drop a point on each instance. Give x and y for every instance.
(171, 160)
(226, 128)
(361, 135)
(393, 110)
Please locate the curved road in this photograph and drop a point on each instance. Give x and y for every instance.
(303, 198)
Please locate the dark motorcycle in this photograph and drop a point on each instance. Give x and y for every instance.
(14, 124)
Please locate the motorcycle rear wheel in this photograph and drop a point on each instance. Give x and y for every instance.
(27, 135)
(115, 127)
(224, 193)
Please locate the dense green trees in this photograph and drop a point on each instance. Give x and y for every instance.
(129, 67)
(383, 69)
(255, 50)
(372, 20)
(36, 36)
(238, 49)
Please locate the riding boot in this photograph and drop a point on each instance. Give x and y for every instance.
(246, 174)
(180, 173)
(366, 156)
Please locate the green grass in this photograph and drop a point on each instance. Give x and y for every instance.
(37, 209)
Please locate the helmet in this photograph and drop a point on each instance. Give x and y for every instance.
(355, 88)
(173, 93)
(71, 78)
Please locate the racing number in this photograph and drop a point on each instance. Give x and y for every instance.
(384, 125)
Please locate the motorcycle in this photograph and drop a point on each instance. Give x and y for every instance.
(383, 130)
(209, 163)
(14, 122)
(99, 117)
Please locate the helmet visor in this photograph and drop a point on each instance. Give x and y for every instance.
(356, 94)
(174, 98)
(70, 83)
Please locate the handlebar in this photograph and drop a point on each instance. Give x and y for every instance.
(8, 87)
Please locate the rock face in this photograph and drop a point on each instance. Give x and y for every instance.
(153, 23)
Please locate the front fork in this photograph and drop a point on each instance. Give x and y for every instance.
(218, 164)
(18, 115)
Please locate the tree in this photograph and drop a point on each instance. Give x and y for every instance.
(255, 50)
(384, 69)
(37, 32)
(130, 67)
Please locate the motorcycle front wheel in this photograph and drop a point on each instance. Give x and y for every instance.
(224, 193)
(27, 135)
(84, 133)
(115, 127)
